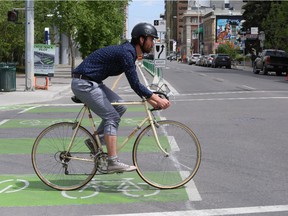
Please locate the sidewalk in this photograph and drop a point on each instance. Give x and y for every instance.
(246, 67)
(60, 84)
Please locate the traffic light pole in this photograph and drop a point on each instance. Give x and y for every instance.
(29, 45)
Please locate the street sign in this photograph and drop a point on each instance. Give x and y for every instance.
(160, 55)
(160, 25)
(254, 30)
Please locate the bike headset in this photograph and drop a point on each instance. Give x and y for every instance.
(143, 30)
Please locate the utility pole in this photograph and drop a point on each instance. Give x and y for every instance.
(29, 45)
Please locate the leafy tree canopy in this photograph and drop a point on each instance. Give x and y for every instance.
(89, 25)
(270, 17)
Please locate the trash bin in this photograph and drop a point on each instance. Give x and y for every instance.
(7, 77)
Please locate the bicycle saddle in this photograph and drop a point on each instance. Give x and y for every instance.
(75, 99)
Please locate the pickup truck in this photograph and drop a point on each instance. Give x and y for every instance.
(271, 60)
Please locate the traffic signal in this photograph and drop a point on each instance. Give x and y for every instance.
(12, 16)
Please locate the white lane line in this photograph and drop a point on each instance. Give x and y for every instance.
(191, 189)
(30, 108)
(224, 99)
(4, 121)
(202, 74)
(234, 92)
(215, 212)
(218, 79)
(247, 87)
(173, 143)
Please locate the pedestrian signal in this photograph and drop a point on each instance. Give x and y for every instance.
(12, 16)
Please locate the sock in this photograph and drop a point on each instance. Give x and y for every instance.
(113, 158)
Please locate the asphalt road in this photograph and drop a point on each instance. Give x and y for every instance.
(239, 118)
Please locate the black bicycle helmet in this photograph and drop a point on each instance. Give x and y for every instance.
(144, 29)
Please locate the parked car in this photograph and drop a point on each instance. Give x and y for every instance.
(208, 60)
(200, 61)
(193, 58)
(271, 60)
(172, 56)
(221, 60)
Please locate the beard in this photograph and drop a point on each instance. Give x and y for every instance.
(147, 49)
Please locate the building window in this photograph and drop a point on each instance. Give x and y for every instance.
(194, 20)
(194, 35)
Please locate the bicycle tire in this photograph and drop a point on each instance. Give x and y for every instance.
(167, 171)
(57, 171)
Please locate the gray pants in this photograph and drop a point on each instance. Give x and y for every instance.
(98, 98)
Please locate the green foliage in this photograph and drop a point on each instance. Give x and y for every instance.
(89, 25)
(100, 29)
(12, 35)
(275, 25)
(270, 17)
(255, 12)
(228, 48)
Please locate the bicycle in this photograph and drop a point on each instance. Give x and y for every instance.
(167, 153)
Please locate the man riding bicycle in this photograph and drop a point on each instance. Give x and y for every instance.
(87, 85)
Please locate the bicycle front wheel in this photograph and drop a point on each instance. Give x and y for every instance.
(56, 165)
(174, 166)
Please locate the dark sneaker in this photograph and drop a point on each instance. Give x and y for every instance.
(89, 144)
(117, 166)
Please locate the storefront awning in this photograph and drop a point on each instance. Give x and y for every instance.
(200, 30)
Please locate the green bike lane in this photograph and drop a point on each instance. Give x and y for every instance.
(22, 187)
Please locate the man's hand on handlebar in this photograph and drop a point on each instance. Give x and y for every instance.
(159, 101)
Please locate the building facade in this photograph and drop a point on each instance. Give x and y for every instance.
(199, 23)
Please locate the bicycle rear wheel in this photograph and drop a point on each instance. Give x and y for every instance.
(55, 165)
(167, 171)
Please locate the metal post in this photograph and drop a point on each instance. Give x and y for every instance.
(261, 37)
(198, 26)
(244, 47)
(29, 45)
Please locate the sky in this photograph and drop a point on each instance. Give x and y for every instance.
(144, 11)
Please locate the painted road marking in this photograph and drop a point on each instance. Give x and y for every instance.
(249, 88)
(227, 99)
(216, 212)
(233, 92)
(28, 109)
(11, 187)
(109, 189)
(4, 121)
(190, 187)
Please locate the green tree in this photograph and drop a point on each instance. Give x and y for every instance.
(12, 35)
(254, 14)
(89, 25)
(229, 49)
(99, 28)
(275, 25)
